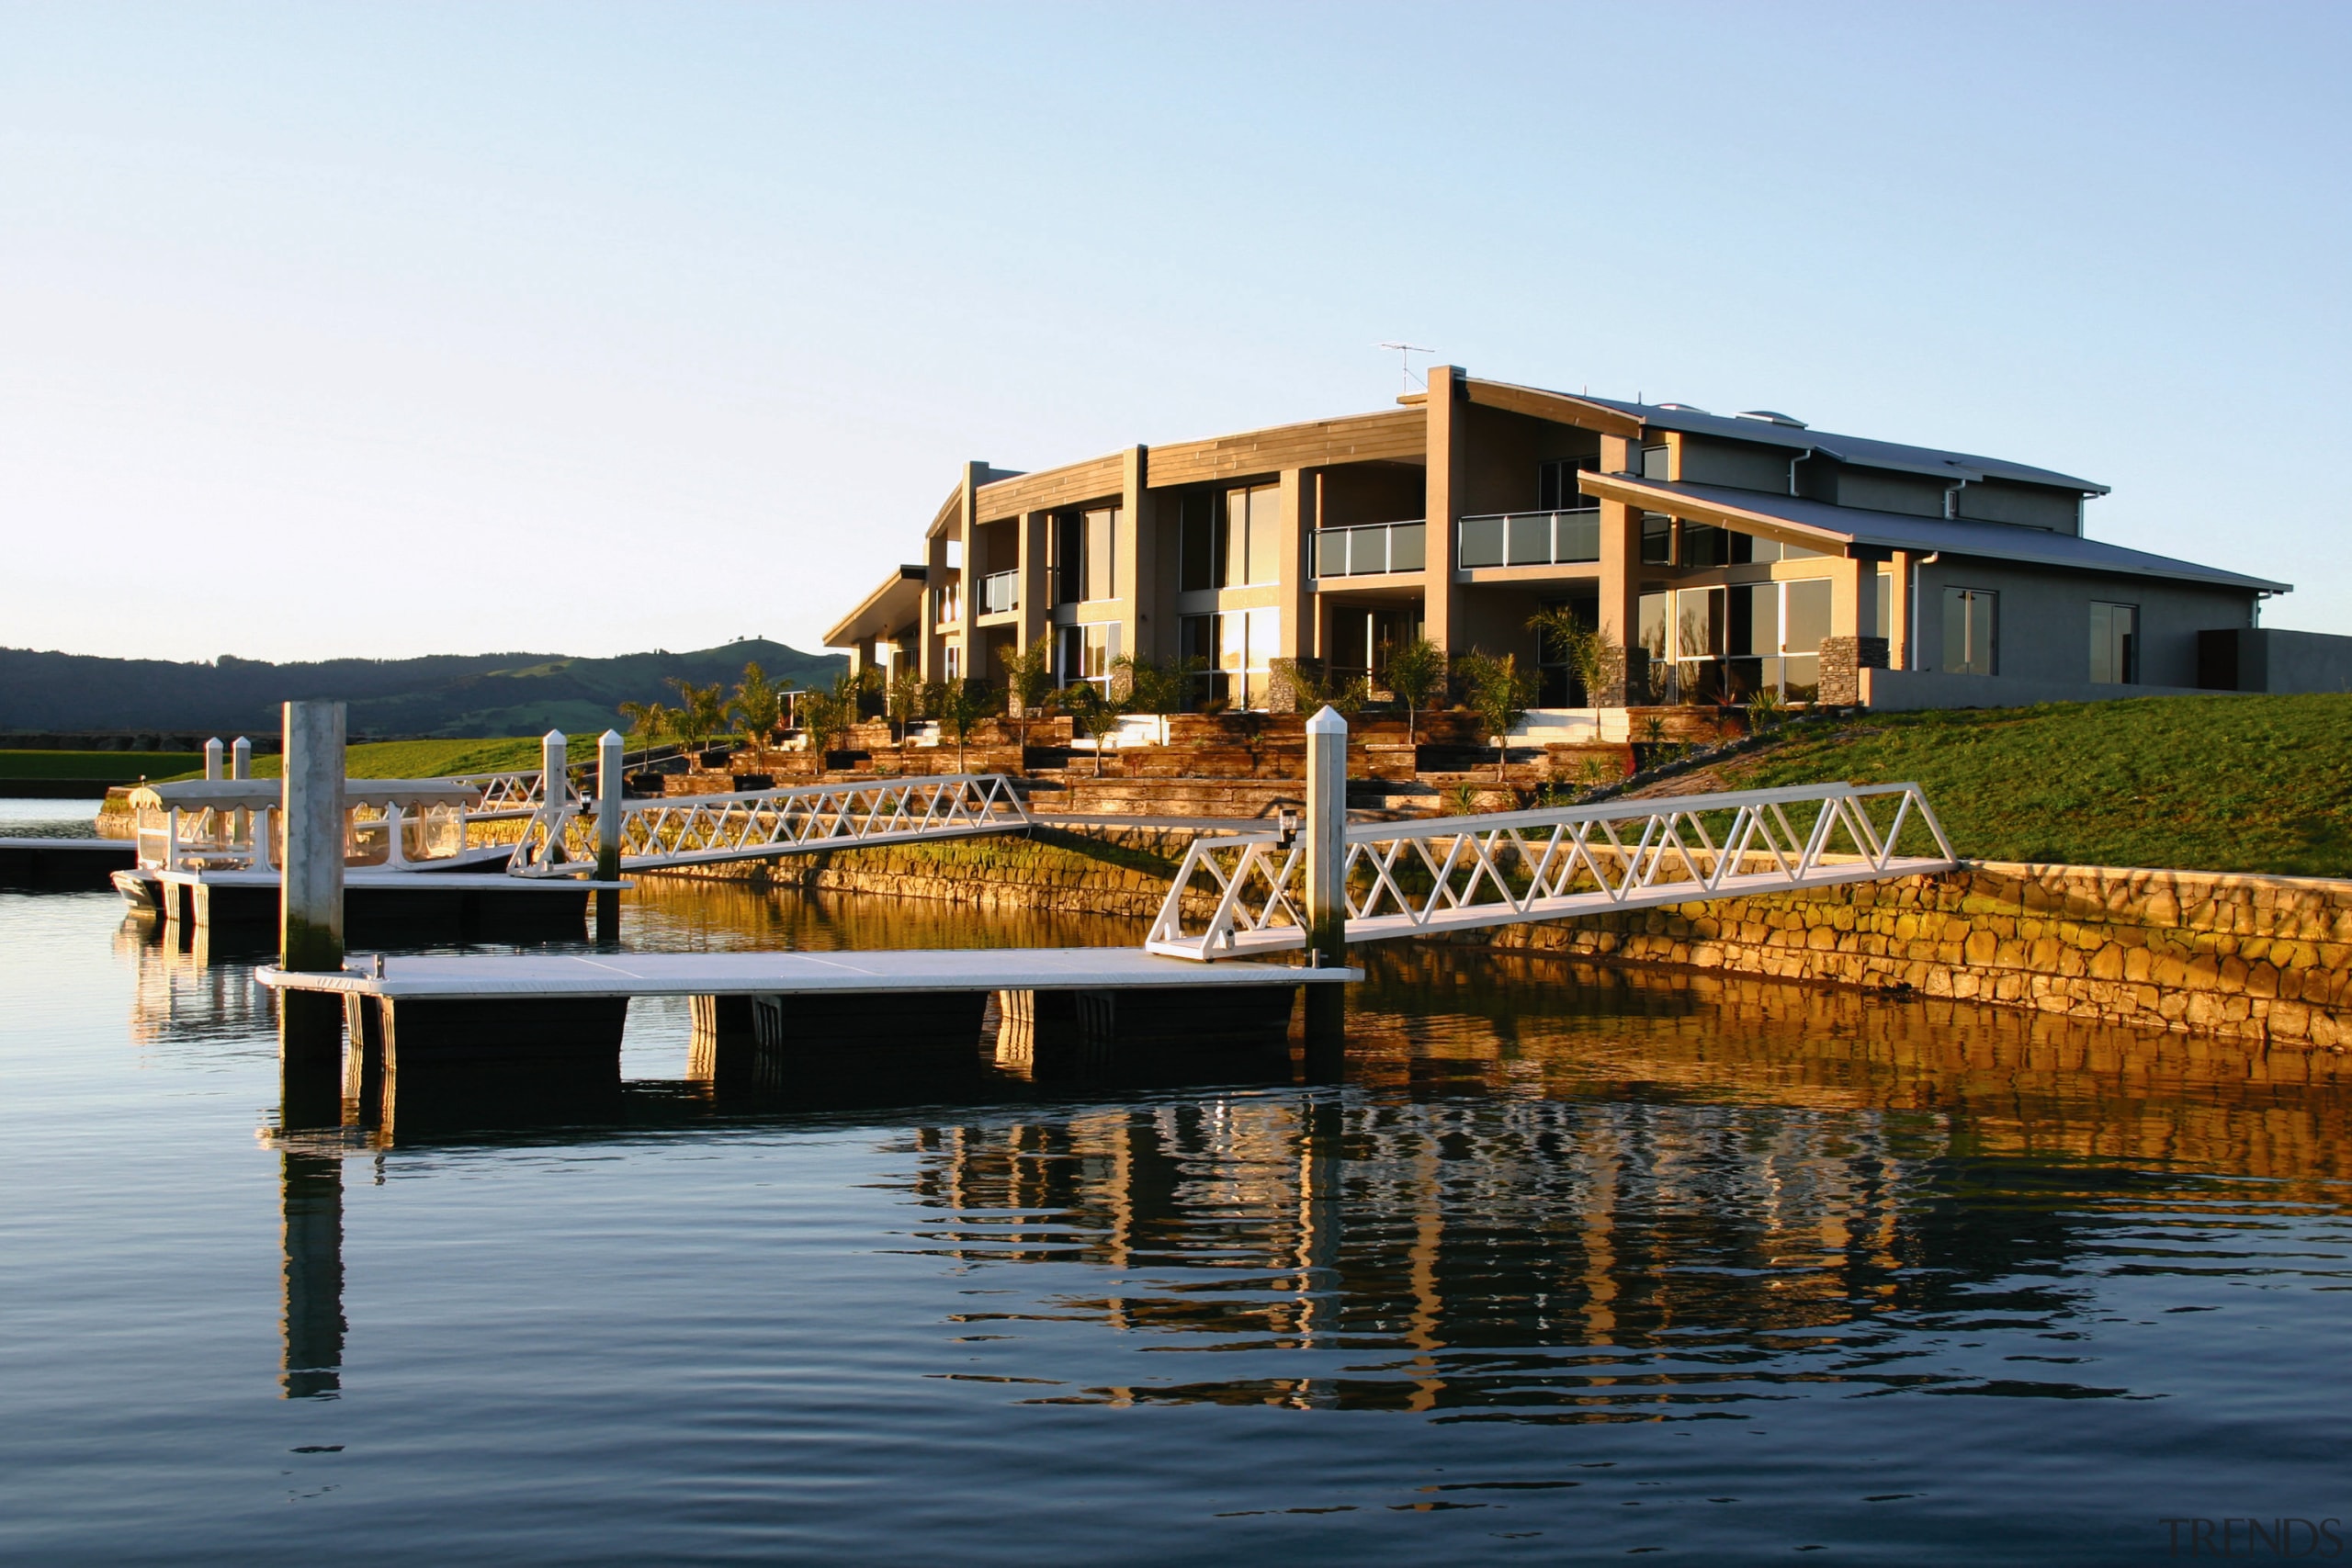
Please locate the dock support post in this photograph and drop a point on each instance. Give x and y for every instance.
(241, 759)
(212, 758)
(608, 834)
(1327, 892)
(555, 776)
(310, 914)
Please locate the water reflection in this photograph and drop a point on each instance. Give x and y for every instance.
(311, 1189)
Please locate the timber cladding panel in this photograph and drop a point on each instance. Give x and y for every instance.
(1096, 478)
(2257, 958)
(1402, 433)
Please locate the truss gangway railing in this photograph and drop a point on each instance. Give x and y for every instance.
(522, 792)
(674, 831)
(1453, 873)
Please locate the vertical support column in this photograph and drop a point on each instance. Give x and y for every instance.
(241, 759)
(310, 921)
(968, 576)
(1132, 577)
(1297, 489)
(609, 786)
(1625, 680)
(1897, 631)
(241, 766)
(1442, 507)
(212, 758)
(1327, 892)
(1855, 640)
(1036, 579)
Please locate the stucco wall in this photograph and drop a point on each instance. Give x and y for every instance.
(2045, 618)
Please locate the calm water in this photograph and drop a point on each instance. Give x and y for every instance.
(1575, 1264)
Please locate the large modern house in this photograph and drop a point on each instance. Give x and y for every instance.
(1715, 553)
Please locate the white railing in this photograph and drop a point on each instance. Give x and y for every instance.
(1452, 872)
(246, 838)
(697, 830)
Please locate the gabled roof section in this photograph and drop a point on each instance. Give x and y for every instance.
(1859, 450)
(896, 601)
(1818, 525)
(1615, 416)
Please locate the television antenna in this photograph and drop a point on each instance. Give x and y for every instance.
(1404, 352)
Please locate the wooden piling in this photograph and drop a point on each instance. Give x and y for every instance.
(1327, 893)
(310, 919)
(241, 759)
(609, 786)
(212, 758)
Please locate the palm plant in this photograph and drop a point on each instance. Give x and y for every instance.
(961, 706)
(1580, 646)
(1498, 690)
(903, 699)
(1094, 712)
(649, 722)
(758, 704)
(1154, 687)
(702, 711)
(1416, 672)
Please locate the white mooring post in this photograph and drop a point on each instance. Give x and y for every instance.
(310, 919)
(555, 782)
(241, 759)
(1326, 850)
(212, 758)
(609, 786)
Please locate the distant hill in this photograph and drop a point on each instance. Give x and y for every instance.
(455, 696)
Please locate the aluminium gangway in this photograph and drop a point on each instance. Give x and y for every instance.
(1503, 868)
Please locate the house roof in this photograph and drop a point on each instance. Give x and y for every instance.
(1816, 525)
(896, 601)
(1860, 451)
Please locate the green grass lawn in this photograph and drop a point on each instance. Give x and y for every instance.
(2209, 784)
(114, 767)
(439, 759)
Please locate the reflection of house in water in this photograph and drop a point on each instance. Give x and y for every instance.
(1632, 1214)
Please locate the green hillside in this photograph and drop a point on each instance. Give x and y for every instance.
(469, 696)
(2212, 784)
(114, 767)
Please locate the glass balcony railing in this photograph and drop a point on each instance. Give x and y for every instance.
(1369, 548)
(1530, 538)
(999, 592)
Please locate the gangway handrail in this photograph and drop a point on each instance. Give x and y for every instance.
(1551, 863)
(671, 831)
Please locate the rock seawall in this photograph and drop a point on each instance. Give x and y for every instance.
(2266, 958)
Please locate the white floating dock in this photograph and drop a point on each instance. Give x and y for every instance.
(522, 975)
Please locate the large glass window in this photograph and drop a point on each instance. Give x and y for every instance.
(1248, 642)
(1252, 536)
(1198, 637)
(1197, 523)
(1067, 557)
(2115, 645)
(1657, 539)
(1556, 485)
(1658, 463)
(1101, 553)
(1972, 631)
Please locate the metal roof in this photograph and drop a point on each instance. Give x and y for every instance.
(1894, 530)
(898, 598)
(1859, 450)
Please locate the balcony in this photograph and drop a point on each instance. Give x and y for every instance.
(1370, 548)
(950, 598)
(1000, 592)
(1530, 538)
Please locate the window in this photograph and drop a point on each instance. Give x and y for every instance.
(1658, 463)
(1657, 539)
(1252, 536)
(1885, 600)
(1101, 553)
(1556, 485)
(1197, 637)
(1086, 653)
(1972, 631)
(1068, 555)
(1247, 641)
(2115, 645)
(1198, 567)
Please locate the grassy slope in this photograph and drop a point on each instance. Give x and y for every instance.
(432, 759)
(2211, 784)
(117, 767)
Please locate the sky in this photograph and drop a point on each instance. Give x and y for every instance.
(345, 330)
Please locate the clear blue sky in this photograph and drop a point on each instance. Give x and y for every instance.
(385, 330)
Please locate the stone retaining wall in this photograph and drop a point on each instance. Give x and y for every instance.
(2265, 958)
